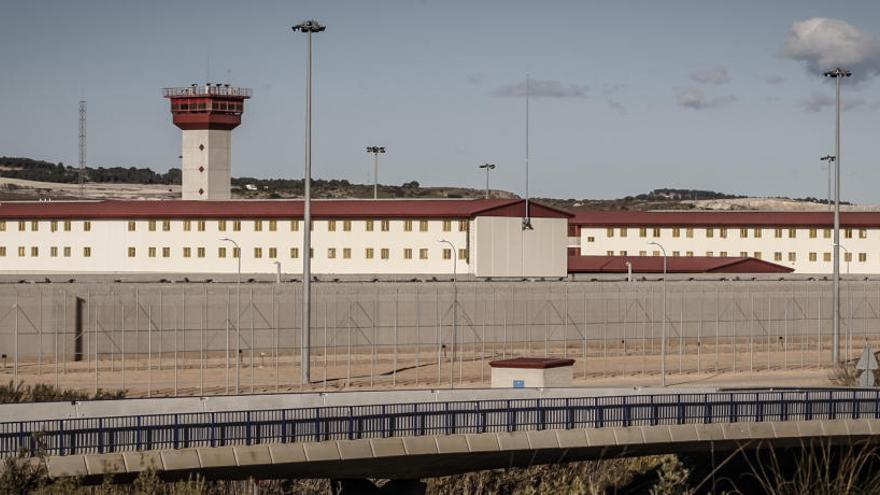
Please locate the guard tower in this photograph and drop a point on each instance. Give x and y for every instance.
(206, 114)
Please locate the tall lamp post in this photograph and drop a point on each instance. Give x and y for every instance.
(375, 150)
(307, 27)
(837, 74)
(663, 327)
(488, 167)
(830, 159)
(454, 312)
(236, 253)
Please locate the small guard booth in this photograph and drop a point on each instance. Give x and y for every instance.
(526, 372)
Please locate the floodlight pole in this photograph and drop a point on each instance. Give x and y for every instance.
(235, 250)
(837, 74)
(830, 159)
(375, 150)
(663, 326)
(454, 312)
(488, 167)
(307, 27)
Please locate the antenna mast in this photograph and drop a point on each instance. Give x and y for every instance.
(82, 148)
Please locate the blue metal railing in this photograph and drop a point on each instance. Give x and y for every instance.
(213, 429)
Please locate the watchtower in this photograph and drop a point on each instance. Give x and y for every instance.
(206, 114)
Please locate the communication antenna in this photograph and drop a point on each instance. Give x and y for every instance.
(527, 221)
(82, 148)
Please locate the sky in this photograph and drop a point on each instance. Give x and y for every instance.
(626, 96)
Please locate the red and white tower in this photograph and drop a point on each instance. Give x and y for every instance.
(206, 114)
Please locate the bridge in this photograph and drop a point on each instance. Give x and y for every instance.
(413, 440)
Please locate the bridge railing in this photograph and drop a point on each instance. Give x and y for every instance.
(214, 429)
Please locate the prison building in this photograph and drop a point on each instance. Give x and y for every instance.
(802, 241)
(484, 238)
(683, 265)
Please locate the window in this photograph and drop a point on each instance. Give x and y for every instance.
(723, 232)
(368, 225)
(462, 225)
(132, 225)
(21, 251)
(273, 253)
(200, 252)
(166, 252)
(710, 232)
(407, 253)
(777, 233)
(723, 254)
(236, 225)
(53, 226)
(423, 225)
(294, 225)
(826, 233)
(447, 254)
(67, 251)
(744, 254)
(689, 253)
(385, 253)
(643, 232)
(2, 250)
(221, 225)
(273, 225)
(655, 253)
(757, 233)
(826, 257)
(22, 225)
(386, 225)
(863, 257)
(792, 233)
(743, 233)
(132, 252)
(847, 233)
(792, 256)
(368, 253)
(623, 253)
(67, 225)
(2, 225)
(675, 253)
(676, 232)
(777, 256)
(151, 252)
(609, 252)
(346, 225)
(200, 225)
(35, 251)
(863, 233)
(331, 253)
(346, 253)
(622, 231)
(166, 225)
(258, 225)
(187, 252)
(610, 232)
(643, 253)
(258, 252)
(656, 232)
(294, 253)
(757, 255)
(846, 257)
(447, 225)
(709, 253)
(221, 252)
(407, 225)
(689, 232)
(813, 233)
(331, 225)
(53, 251)
(151, 225)
(35, 225)
(462, 254)
(423, 253)
(87, 252)
(87, 227)
(187, 225)
(591, 239)
(812, 256)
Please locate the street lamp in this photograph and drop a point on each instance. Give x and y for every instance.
(375, 150)
(830, 159)
(307, 27)
(848, 257)
(837, 74)
(236, 253)
(277, 271)
(663, 327)
(454, 312)
(488, 167)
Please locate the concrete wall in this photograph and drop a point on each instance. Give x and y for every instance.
(502, 248)
(211, 150)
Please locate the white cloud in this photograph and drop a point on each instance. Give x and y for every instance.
(817, 102)
(696, 99)
(543, 89)
(822, 44)
(711, 75)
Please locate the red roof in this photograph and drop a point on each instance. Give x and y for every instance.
(675, 264)
(854, 219)
(531, 363)
(322, 208)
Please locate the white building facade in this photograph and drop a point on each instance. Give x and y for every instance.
(802, 241)
(349, 237)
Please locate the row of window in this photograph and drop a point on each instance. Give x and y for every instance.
(743, 232)
(54, 225)
(65, 251)
(777, 256)
(258, 225)
(272, 253)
